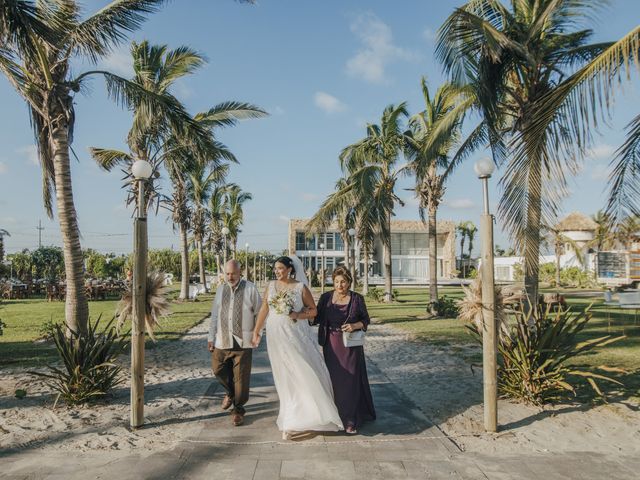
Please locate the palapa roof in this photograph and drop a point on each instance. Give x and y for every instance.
(576, 222)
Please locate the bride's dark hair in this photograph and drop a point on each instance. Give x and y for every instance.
(287, 262)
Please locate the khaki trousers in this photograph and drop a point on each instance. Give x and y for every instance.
(232, 368)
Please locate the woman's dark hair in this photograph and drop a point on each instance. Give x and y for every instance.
(287, 262)
(342, 272)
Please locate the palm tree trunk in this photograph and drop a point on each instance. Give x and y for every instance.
(558, 252)
(1, 248)
(365, 275)
(184, 257)
(203, 277)
(76, 305)
(532, 238)
(388, 281)
(462, 264)
(345, 242)
(433, 261)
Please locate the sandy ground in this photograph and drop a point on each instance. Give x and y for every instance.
(177, 376)
(436, 378)
(448, 391)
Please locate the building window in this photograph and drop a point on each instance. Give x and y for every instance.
(300, 241)
(339, 242)
(409, 244)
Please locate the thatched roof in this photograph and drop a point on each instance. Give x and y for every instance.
(576, 222)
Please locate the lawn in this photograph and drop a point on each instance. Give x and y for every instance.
(408, 313)
(19, 346)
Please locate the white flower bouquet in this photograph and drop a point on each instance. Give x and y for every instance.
(282, 302)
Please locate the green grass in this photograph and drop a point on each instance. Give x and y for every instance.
(408, 314)
(25, 318)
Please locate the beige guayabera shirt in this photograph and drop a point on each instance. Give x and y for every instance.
(249, 307)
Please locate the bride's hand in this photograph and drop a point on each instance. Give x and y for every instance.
(294, 316)
(256, 340)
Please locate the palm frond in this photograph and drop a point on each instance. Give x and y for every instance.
(107, 159)
(624, 192)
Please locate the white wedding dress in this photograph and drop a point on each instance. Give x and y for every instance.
(299, 372)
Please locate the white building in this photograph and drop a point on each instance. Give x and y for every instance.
(409, 250)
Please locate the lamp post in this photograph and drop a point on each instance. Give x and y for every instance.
(352, 234)
(322, 267)
(255, 279)
(246, 261)
(141, 171)
(225, 232)
(484, 168)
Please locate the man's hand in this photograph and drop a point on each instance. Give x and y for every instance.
(256, 340)
(210, 346)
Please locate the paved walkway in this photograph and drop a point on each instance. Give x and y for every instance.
(402, 443)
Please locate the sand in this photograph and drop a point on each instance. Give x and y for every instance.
(438, 379)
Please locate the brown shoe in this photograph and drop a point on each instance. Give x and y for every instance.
(227, 401)
(237, 419)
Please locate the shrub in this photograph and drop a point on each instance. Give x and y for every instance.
(576, 277)
(534, 356)
(48, 329)
(375, 294)
(446, 307)
(2, 326)
(89, 370)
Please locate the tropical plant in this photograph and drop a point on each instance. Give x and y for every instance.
(2, 327)
(172, 139)
(471, 309)
(200, 184)
(3, 233)
(531, 70)
(233, 213)
(462, 229)
(435, 131)
(40, 41)
(471, 235)
(559, 242)
(21, 264)
(372, 170)
(156, 304)
(628, 230)
(536, 358)
(89, 369)
(604, 236)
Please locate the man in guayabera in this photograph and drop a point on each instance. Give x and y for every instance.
(233, 317)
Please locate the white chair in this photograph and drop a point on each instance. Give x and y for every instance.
(168, 279)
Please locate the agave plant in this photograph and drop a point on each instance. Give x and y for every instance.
(89, 370)
(156, 304)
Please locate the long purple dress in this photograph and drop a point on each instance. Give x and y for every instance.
(346, 365)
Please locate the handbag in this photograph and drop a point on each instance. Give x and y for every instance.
(352, 339)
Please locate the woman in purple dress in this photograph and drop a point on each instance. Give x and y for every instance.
(343, 310)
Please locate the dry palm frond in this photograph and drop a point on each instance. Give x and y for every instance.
(156, 304)
(471, 307)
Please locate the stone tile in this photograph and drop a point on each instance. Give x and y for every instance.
(267, 470)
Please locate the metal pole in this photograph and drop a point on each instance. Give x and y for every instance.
(255, 279)
(489, 332)
(322, 275)
(225, 250)
(139, 310)
(246, 262)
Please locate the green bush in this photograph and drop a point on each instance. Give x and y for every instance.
(48, 329)
(375, 294)
(89, 370)
(2, 326)
(576, 277)
(534, 357)
(447, 307)
(548, 273)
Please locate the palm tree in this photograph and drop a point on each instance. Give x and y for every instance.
(628, 231)
(435, 131)
(339, 207)
(463, 230)
(371, 166)
(216, 213)
(177, 143)
(532, 72)
(40, 41)
(471, 235)
(559, 241)
(604, 237)
(233, 213)
(200, 184)
(3, 233)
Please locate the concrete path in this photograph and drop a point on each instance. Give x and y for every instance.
(402, 443)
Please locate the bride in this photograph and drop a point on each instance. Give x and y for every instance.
(299, 372)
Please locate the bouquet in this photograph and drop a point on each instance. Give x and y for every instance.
(282, 302)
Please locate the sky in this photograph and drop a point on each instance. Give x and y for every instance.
(323, 70)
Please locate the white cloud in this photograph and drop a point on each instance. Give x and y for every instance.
(460, 203)
(3, 168)
(328, 103)
(377, 50)
(601, 151)
(429, 34)
(29, 153)
(119, 62)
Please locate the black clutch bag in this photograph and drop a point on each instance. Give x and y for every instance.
(322, 334)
